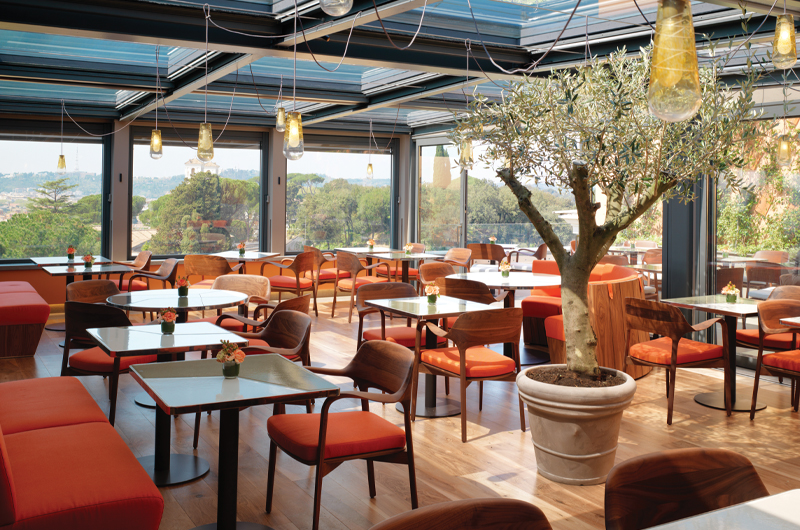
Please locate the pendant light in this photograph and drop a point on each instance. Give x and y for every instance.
(784, 47)
(205, 140)
(293, 135)
(784, 157)
(62, 162)
(280, 116)
(674, 94)
(336, 8)
(155, 138)
(369, 151)
(465, 159)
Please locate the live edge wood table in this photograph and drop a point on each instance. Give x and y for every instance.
(419, 308)
(130, 341)
(195, 386)
(732, 312)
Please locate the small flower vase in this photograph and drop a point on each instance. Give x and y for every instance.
(183, 291)
(491, 242)
(633, 246)
(432, 298)
(71, 256)
(230, 370)
(87, 264)
(241, 252)
(730, 298)
(371, 247)
(408, 252)
(504, 273)
(167, 328)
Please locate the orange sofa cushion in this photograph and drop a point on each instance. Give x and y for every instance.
(348, 434)
(327, 274)
(659, 351)
(547, 291)
(80, 477)
(780, 341)
(554, 327)
(23, 308)
(228, 323)
(48, 402)
(606, 272)
(8, 495)
(289, 282)
(96, 360)
(541, 306)
(16, 287)
(545, 266)
(402, 335)
(361, 280)
(137, 285)
(788, 360)
(481, 361)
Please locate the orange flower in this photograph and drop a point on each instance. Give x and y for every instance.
(88, 258)
(431, 289)
(70, 250)
(169, 315)
(182, 281)
(371, 243)
(239, 356)
(240, 246)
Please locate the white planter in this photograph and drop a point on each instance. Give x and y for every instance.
(574, 430)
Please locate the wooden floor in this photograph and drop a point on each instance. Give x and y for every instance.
(497, 461)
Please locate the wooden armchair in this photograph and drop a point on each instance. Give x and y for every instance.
(652, 287)
(431, 271)
(256, 288)
(301, 304)
(91, 291)
(672, 350)
(471, 360)
(458, 257)
(659, 488)
(472, 514)
(295, 281)
(207, 265)
(140, 264)
(320, 275)
(484, 251)
(326, 440)
(614, 259)
(352, 265)
(539, 254)
(166, 273)
(469, 290)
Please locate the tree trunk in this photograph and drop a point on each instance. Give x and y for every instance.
(581, 342)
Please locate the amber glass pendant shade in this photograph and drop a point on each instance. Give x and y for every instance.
(280, 120)
(336, 8)
(784, 47)
(674, 94)
(369, 170)
(293, 137)
(205, 143)
(465, 160)
(784, 157)
(155, 145)
(62, 164)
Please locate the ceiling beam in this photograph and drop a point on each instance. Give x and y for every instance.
(761, 6)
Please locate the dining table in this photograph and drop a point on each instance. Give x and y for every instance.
(164, 468)
(404, 258)
(63, 260)
(716, 304)
(247, 257)
(196, 300)
(362, 252)
(632, 253)
(185, 387)
(418, 308)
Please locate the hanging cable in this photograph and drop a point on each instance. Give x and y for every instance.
(305, 40)
(644, 17)
(280, 92)
(258, 97)
(377, 13)
(230, 109)
(205, 104)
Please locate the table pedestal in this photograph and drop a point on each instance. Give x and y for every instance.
(509, 301)
(166, 469)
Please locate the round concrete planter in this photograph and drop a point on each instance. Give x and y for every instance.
(574, 430)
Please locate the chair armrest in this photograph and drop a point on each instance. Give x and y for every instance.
(239, 318)
(382, 263)
(436, 330)
(257, 300)
(237, 267)
(336, 372)
(370, 396)
(707, 324)
(266, 349)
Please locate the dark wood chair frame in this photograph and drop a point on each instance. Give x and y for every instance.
(539, 254)
(469, 290)
(140, 264)
(350, 263)
(299, 265)
(472, 514)
(486, 251)
(301, 304)
(667, 321)
(378, 291)
(458, 257)
(167, 273)
(377, 364)
(433, 270)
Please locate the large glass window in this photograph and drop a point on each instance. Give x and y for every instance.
(331, 200)
(440, 219)
(42, 210)
(182, 205)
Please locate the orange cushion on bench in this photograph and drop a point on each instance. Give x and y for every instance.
(554, 327)
(541, 306)
(788, 360)
(23, 308)
(659, 351)
(779, 341)
(96, 360)
(16, 287)
(80, 477)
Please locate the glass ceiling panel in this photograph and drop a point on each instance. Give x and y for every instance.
(57, 92)
(244, 6)
(277, 66)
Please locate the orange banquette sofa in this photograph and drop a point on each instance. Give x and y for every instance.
(23, 314)
(63, 467)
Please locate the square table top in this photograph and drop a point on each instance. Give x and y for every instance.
(647, 267)
(717, 305)
(129, 341)
(402, 256)
(515, 281)
(195, 386)
(418, 307)
(79, 268)
(365, 250)
(740, 259)
(792, 322)
(248, 256)
(63, 260)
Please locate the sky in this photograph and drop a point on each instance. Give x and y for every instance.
(24, 157)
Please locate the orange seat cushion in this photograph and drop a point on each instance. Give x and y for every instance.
(554, 327)
(49, 402)
(289, 282)
(481, 361)
(659, 351)
(23, 308)
(347, 284)
(202, 284)
(547, 291)
(397, 271)
(787, 360)
(348, 434)
(779, 341)
(327, 274)
(16, 287)
(80, 477)
(257, 342)
(137, 285)
(541, 306)
(228, 323)
(402, 335)
(96, 360)
(545, 266)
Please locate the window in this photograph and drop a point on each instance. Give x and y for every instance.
(43, 211)
(332, 202)
(439, 195)
(182, 205)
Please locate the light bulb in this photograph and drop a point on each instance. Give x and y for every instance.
(784, 47)
(155, 145)
(336, 8)
(465, 159)
(674, 94)
(205, 143)
(293, 137)
(280, 120)
(369, 170)
(784, 157)
(62, 164)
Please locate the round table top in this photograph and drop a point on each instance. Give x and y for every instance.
(156, 300)
(514, 282)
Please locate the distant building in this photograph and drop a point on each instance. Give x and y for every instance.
(198, 166)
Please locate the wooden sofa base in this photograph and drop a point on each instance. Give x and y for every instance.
(533, 333)
(20, 340)
(558, 355)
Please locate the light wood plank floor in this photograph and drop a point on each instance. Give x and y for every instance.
(497, 461)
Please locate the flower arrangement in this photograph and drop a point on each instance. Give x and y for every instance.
(371, 243)
(168, 318)
(432, 292)
(182, 283)
(505, 268)
(88, 259)
(70, 252)
(240, 246)
(408, 248)
(492, 240)
(231, 357)
(731, 292)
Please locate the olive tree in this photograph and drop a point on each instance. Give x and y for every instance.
(589, 132)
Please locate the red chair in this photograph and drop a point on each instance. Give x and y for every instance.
(327, 439)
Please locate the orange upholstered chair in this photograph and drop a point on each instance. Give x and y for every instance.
(458, 257)
(327, 439)
(352, 265)
(396, 269)
(672, 350)
(208, 267)
(472, 514)
(788, 340)
(140, 264)
(295, 281)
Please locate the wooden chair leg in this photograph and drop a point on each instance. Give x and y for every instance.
(412, 478)
(480, 395)
(273, 454)
(671, 398)
(759, 360)
(317, 497)
(463, 411)
(333, 306)
(371, 478)
(667, 382)
(352, 302)
(521, 415)
(196, 439)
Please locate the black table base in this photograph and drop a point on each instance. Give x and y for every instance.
(443, 408)
(56, 326)
(742, 402)
(144, 400)
(167, 469)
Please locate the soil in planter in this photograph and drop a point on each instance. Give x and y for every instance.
(562, 377)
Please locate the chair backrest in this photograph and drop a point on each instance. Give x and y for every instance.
(300, 304)
(383, 365)
(249, 284)
(346, 261)
(91, 291)
(469, 290)
(428, 272)
(288, 329)
(661, 487)
(772, 256)
(728, 275)
(487, 251)
(655, 317)
(614, 259)
(417, 248)
(205, 265)
(168, 271)
(319, 256)
(378, 291)
(142, 260)
(541, 253)
(653, 256)
(770, 313)
(764, 272)
(460, 255)
(645, 244)
(573, 245)
(785, 292)
(493, 326)
(79, 316)
(470, 514)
